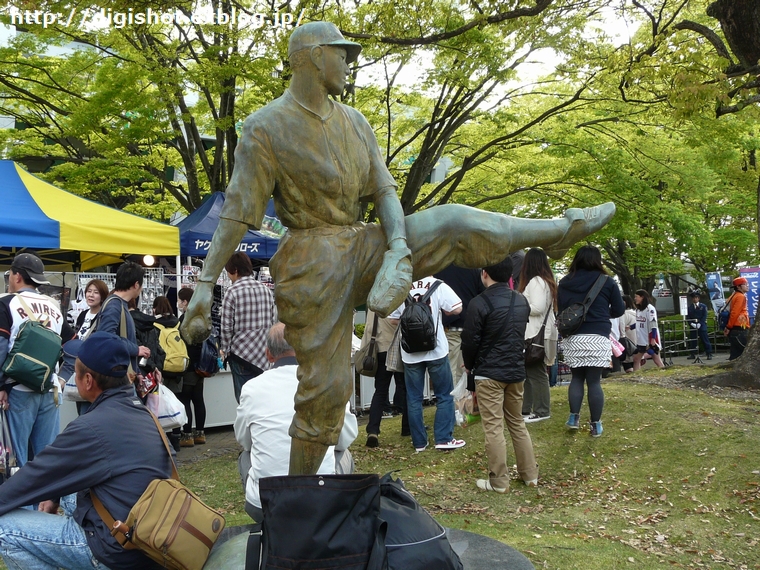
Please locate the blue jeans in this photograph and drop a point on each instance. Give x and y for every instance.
(242, 371)
(31, 540)
(440, 376)
(33, 419)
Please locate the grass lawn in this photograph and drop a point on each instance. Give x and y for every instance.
(673, 482)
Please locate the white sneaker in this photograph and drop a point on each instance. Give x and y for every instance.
(421, 449)
(532, 483)
(485, 485)
(534, 418)
(453, 444)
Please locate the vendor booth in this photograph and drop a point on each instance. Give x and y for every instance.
(71, 234)
(196, 231)
(68, 232)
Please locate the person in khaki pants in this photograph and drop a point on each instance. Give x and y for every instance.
(492, 349)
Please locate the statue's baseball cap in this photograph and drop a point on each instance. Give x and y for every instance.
(739, 281)
(321, 34)
(32, 265)
(103, 352)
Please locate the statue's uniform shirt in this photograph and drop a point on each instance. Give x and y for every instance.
(318, 169)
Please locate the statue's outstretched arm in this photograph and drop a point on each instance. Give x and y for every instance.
(394, 279)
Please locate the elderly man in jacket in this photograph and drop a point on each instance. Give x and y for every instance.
(493, 345)
(114, 450)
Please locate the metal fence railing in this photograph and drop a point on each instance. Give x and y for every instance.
(676, 342)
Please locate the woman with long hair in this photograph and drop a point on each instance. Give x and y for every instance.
(588, 350)
(95, 292)
(538, 285)
(192, 383)
(647, 333)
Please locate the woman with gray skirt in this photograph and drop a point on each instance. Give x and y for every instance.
(539, 288)
(588, 351)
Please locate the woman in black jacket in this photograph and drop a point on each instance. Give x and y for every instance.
(588, 351)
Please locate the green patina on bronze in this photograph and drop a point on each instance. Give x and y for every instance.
(318, 158)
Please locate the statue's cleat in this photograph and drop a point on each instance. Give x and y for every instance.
(581, 223)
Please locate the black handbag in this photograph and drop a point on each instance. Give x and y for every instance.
(535, 351)
(322, 521)
(365, 359)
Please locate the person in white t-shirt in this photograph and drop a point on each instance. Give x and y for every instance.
(436, 363)
(647, 334)
(32, 416)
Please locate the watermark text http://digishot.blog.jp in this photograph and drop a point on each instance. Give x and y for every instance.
(106, 17)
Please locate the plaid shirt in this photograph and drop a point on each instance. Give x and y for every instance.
(248, 312)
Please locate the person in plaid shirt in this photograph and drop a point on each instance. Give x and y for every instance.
(248, 312)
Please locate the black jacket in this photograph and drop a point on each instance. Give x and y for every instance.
(147, 335)
(608, 304)
(466, 284)
(505, 360)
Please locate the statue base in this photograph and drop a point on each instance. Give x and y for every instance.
(476, 551)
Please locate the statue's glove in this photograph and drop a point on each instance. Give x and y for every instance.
(392, 282)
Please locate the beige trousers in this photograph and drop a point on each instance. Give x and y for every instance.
(455, 354)
(500, 402)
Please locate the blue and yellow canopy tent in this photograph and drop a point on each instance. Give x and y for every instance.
(68, 232)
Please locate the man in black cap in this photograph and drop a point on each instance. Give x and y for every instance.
(32, 417)
(319, 159)
(115, 450)
(696, 316)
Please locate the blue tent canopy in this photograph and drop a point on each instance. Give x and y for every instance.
(196, 230)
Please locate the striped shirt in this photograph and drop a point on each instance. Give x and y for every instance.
(248, 312)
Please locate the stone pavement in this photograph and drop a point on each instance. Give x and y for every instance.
(219, 441)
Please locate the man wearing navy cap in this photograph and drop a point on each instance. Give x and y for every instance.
(114, 449)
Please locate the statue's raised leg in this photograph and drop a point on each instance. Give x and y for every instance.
(469, 237)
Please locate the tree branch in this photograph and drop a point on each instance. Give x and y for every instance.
(540, 6)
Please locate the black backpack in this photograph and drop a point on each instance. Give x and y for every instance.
(208, 362)
(725, 314)
(418, 327)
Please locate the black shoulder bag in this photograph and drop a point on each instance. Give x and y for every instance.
(572, 317)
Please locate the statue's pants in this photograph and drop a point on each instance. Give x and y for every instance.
(321, 274)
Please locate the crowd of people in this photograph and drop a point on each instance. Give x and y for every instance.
(488, 327)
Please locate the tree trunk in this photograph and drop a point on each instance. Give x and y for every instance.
(740, 22)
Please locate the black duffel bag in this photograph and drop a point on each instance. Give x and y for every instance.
(351, 522)
(414, 540)
(322, 521)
